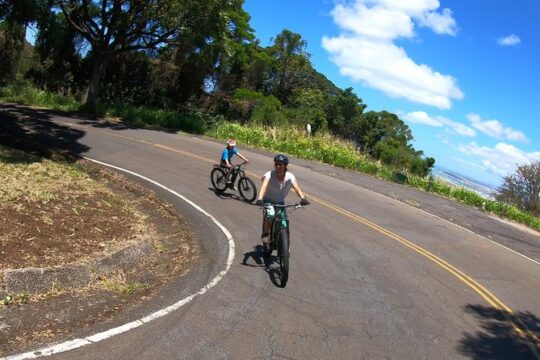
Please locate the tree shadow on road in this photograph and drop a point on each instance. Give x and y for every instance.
(498, 340)
(32, 131)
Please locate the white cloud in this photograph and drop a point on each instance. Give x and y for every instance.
(501, 159)
(495, 129)
(376, 22)
(440, 23)
(421, 117)
(365, 51)
(509, 40)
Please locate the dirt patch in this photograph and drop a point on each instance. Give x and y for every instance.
(74, 224)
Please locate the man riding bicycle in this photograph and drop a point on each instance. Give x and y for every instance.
(275, 186)
(226, 157)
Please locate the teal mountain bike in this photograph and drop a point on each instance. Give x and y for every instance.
(280, 239)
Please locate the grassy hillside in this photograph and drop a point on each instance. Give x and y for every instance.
(324, 148)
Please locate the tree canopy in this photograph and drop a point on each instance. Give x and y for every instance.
(522, 189)
(193, 56)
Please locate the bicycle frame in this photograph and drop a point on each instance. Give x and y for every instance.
(280, 221)
(238, 171)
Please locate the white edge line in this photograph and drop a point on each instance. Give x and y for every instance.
(77, 343)
(457, 225)
(482, 236)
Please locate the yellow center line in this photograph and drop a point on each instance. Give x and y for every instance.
(519, 327)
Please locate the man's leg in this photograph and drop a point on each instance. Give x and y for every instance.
(268, 216)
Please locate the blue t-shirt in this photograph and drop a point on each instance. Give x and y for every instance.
(228, 154)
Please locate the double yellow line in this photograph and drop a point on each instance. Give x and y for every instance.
(518, 326)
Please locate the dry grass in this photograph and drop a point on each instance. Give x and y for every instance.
(55, 213)
(25, 177)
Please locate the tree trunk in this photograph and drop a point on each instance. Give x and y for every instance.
(11, 46)
(98, 71)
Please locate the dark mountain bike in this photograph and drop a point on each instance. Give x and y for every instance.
(239, 180)
(280, 239)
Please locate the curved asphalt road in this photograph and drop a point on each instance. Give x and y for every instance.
(371, 277)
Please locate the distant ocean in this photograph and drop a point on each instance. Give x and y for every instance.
(480, 188)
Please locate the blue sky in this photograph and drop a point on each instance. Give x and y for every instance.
(462, 74)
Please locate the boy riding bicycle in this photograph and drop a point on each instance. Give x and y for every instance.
(226, 157)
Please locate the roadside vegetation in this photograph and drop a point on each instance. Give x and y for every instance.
(59, 212)
(196, 66)
(320, 147)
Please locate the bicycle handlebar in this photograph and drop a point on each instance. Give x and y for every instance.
(297, 205)
(240, 165)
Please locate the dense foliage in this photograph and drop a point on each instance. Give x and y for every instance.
(194, 57)
(522, 189)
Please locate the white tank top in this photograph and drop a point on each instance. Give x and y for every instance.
(276, 190)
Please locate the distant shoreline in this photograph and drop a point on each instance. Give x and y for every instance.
(482, 189)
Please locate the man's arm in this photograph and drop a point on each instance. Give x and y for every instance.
(297, 189)
(262, 190)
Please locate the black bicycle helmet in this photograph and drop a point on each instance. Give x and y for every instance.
(282, 159)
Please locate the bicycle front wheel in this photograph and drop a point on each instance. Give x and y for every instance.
(284, 255)
(247, 189)
(217, 176)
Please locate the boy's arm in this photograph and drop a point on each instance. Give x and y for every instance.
(242, 157)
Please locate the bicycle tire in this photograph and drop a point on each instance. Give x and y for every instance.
(284, 255)
(217, 177)
(247, 189)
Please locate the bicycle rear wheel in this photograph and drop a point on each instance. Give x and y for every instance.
(283, 253)
(217, 176)
(247, 189)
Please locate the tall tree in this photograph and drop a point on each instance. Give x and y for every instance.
(59, 67)
(258, 72)
(237, 52)
(15, 15)
(522, 189)
(382, 126)
(309, 106)
(291, 63)
(343, 111)
(206, 53)
(112, 27)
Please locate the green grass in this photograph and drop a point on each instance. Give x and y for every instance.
(116, 282)
(22, 92)
(343, 154)
(324, 148)
(192, 123)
